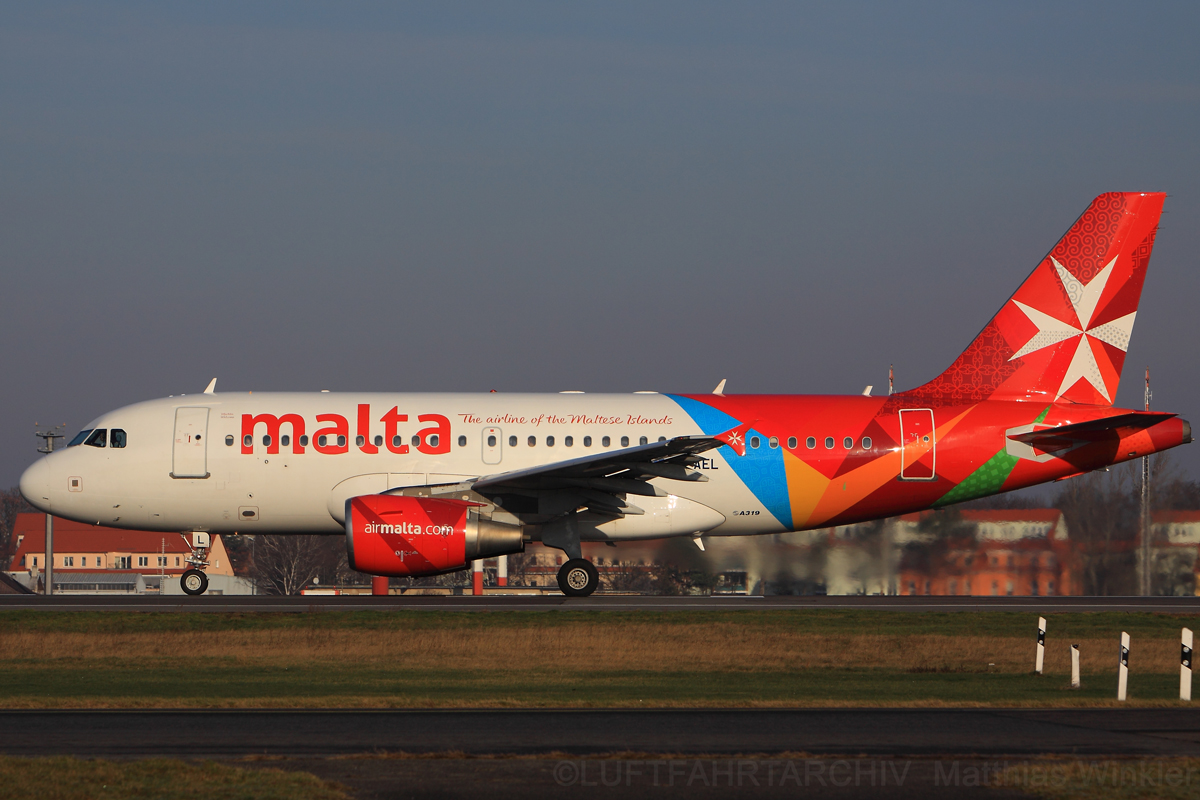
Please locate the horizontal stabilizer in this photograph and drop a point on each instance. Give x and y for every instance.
(1093, 429)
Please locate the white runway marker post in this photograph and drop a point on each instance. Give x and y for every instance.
(1074, 666)
(1123, 669)
(1041, 647)
(1185, 666)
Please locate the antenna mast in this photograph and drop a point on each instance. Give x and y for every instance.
(1147, 580)
(48, 435)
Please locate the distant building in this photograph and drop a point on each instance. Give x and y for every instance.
(1011, 552)
(1018, 552)
(1175, 547)
(92, 559)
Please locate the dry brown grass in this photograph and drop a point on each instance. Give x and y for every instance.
(286, 702)
(653, 647)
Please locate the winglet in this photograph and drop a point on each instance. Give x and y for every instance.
(212, 387)
(736, 437)
(720, 390)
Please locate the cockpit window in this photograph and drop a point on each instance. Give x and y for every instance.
(98, 438)
(116, 438)
(80, 437)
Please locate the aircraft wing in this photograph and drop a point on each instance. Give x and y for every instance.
(599, 478)
(1094, 429)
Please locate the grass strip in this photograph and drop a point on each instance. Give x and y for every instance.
(580, 659)
(1002, 624)
(336, 686)
(66, 778)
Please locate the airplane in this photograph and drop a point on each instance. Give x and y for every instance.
(422, 484)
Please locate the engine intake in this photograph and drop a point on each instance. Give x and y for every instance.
(406, 536)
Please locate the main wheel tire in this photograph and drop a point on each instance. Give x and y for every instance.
(194, 582)
(578, 578)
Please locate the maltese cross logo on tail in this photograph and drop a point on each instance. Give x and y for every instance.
(1052, 331)
(736, 437)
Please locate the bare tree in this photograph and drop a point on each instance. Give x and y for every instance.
(626, 576)
(11, 504)
(285, 564)
(1101, 509)
(520, 566)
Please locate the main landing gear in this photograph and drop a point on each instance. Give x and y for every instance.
(578, 578)
(193, 580)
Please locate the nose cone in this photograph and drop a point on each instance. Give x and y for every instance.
(35, 485)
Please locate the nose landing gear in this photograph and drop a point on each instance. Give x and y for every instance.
(194, 581)
(578, 578)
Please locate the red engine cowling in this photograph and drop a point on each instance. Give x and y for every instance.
(401, 536)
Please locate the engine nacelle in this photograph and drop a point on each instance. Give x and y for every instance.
(401, 536)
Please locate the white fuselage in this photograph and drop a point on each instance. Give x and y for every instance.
(186, 464)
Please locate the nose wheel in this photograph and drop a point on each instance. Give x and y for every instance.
(578, 578)
(193, 581)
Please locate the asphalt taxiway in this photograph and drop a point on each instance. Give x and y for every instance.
(500, 602)
(892, 732)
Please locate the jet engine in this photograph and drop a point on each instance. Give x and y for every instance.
(403, 536)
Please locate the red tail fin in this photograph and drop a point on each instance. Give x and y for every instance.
(1063, 335)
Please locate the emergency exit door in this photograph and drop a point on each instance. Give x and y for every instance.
(189, 458)
(918, 445)
(493, 445)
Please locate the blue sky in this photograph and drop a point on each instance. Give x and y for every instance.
(536, 197)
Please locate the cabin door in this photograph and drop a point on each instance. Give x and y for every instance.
(189, 459)
(918, 445)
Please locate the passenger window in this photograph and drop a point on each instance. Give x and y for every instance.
(378, 440)
(643, 440)
(512, 441)
(569, 441)
(434, 439)
(341, 441)
(285, 440)
(624, 441)
(397, 441)
(792, 443)
(848, 443)
(491, 441)
(662, 439)
(810, 442)
(80, 437)
(116, 438)
(266, 441)
(322, 440)
(828, 442)
(98, 438)
(754, 442)
(532, 441)
(416, 441)
(359, 441)
(304, 440)
(462, 441)
(773, 442)
(866, 443)
(606, 441)
(229, 440)
(549, 441)
(587, 441)
(248, 440)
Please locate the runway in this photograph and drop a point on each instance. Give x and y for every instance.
(498, 602)
(875, 732)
